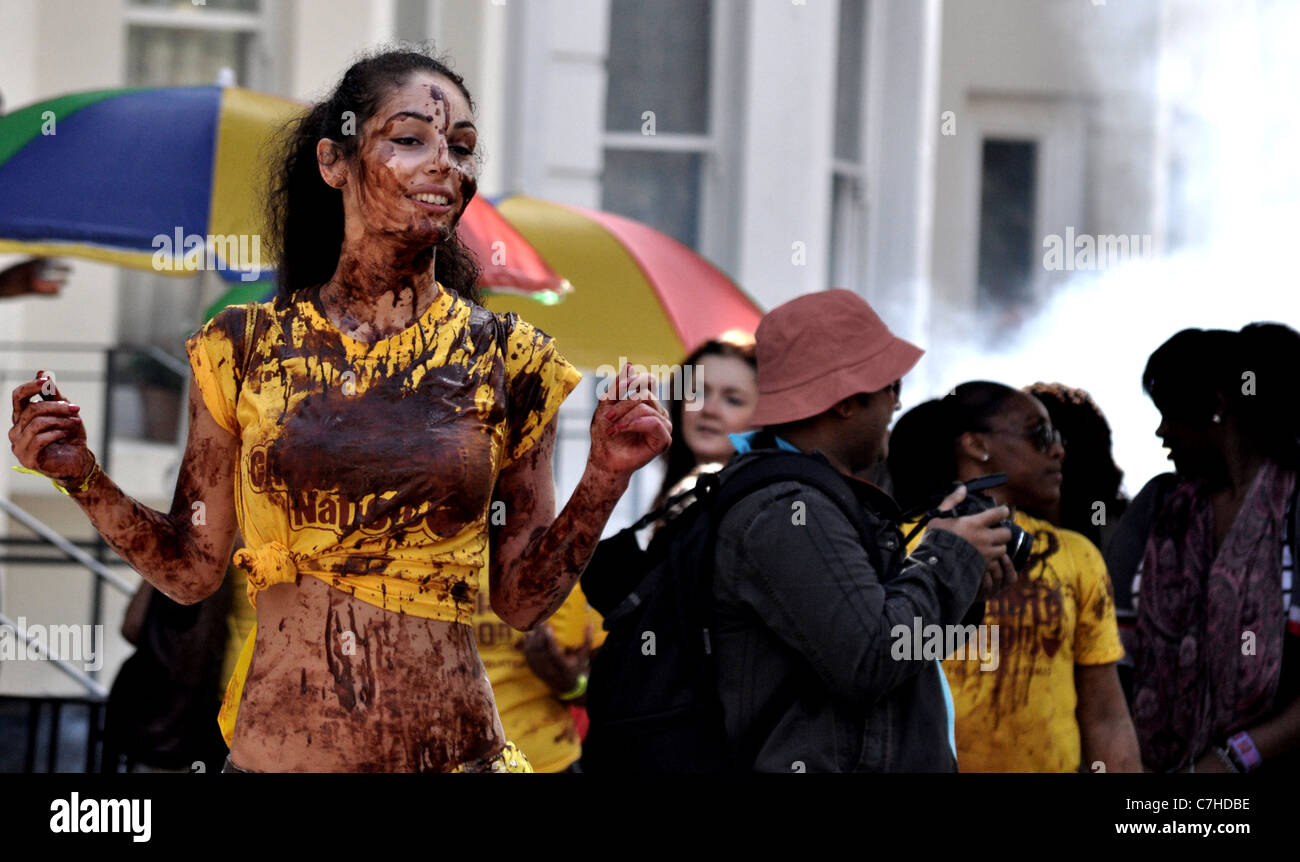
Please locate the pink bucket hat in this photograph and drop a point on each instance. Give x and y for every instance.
(819, 349)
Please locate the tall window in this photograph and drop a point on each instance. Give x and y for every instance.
(180, 44)
(659, 134)
(1007, 251)
(172, 43)
(848, 174)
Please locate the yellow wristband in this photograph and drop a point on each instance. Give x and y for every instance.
(63, 489)
(577, 691)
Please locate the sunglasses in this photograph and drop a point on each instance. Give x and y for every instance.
(1043, 437)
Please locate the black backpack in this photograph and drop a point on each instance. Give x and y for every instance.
(652, 695)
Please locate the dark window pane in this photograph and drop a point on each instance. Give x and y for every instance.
(1007, 247)
(659, 189)
(658, 61)
(848, 81)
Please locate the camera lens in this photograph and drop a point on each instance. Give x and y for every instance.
(1020, 546)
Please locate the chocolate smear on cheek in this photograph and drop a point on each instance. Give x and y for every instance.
(381, 195)
(468, 180)
(468, 185)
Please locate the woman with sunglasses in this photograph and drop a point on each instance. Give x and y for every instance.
(1045, 695)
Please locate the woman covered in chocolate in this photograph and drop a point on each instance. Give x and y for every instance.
(377, 437)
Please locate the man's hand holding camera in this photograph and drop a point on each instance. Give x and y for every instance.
(984, 530)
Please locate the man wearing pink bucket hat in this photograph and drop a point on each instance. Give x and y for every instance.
(815, 611)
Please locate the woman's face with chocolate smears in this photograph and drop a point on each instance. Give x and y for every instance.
(415, 168)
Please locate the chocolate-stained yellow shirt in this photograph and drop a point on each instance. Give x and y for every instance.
(531, 715)
(372, 466)
(1017, 711)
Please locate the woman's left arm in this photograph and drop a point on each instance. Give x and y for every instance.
(537, 557)
(1104, 721)
(1278, 735)
(1272, 738)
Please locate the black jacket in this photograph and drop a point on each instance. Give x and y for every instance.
(805, 620)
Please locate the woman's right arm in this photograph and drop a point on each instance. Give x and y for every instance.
(184, 551)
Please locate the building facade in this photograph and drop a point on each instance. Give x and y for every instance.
(799, 144)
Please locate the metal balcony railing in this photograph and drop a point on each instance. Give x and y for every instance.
(112, 368)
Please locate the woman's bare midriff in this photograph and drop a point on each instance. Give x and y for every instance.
(338, 685)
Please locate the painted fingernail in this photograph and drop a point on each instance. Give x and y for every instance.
(609, 415)
(74, 407)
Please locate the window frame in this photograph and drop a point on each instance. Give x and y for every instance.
(718, 148)
(1058, 126)
(264, 26)
(847, 263)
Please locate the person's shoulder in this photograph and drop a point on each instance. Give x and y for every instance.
(772, 504)
(229, 321)
(223, 332)
(1154, 491)
(518, 331)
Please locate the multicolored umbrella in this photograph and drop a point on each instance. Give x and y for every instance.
(162, 178)
(637, 293)
(140, 177)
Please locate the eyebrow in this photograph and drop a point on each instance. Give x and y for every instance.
(413, 114)
(428, 119)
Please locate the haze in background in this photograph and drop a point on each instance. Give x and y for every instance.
(1227, 76)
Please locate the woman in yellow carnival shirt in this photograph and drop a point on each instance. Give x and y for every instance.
(536, 677)
(1045, 696)
(357, 430)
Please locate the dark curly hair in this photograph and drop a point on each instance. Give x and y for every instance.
(1089, 472)
(305, 214)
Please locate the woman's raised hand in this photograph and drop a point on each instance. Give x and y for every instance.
(48, 435)
(630, 426)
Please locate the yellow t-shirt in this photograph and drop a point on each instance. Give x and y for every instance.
(532, 717)
(1020, 717)
(372, 466)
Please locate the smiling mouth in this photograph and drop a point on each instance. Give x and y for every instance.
(437, 203)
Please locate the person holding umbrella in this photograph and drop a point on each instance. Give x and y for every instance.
(377, 437)
(33, 276)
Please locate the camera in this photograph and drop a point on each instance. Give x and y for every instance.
(1021, 544)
